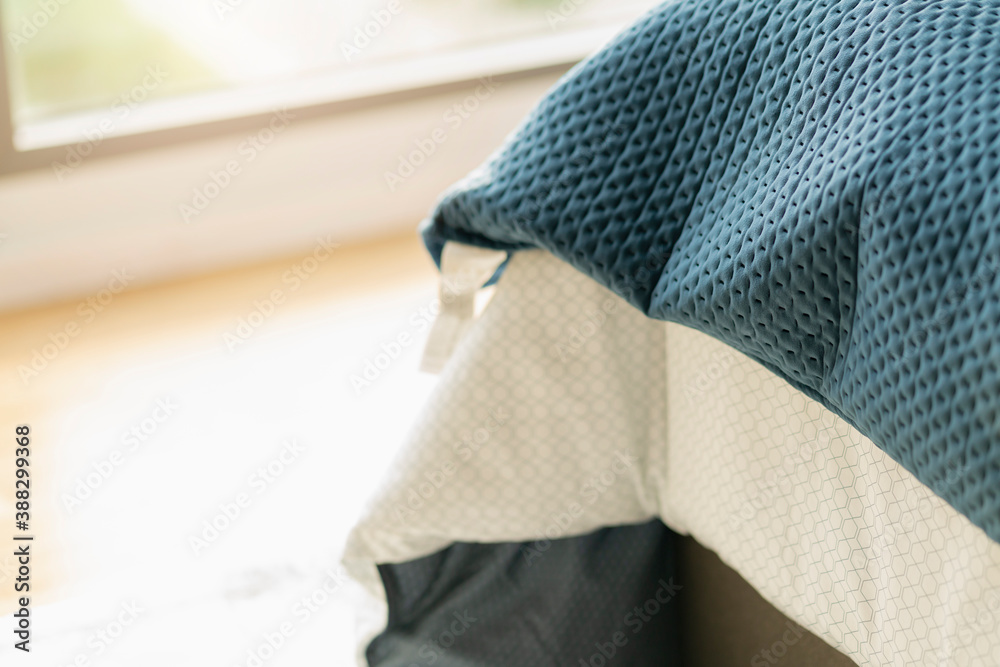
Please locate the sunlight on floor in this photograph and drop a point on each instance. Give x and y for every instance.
(193, 489)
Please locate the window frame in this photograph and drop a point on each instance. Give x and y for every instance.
(60, 237)
(569, 49)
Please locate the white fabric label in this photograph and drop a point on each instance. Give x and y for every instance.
(464, 270)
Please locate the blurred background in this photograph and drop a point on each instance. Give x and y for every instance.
(208, 262)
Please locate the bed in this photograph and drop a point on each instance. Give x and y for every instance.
(747, 293)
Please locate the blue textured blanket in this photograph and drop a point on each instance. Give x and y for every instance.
(813, 183)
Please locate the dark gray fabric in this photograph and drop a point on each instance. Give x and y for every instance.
(606, 598)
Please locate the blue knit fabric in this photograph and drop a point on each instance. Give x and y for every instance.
(813, 183)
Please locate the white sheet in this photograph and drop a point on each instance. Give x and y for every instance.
(564, 410)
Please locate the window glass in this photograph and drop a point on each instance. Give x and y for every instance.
(68, 56)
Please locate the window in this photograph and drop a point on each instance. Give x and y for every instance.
(128, 62)
(117, 115)
(169, 92)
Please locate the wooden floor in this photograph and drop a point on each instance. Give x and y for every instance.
(158, 417)
(162, 416)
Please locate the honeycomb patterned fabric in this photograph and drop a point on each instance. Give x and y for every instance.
(813, 183)
(564, 411)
